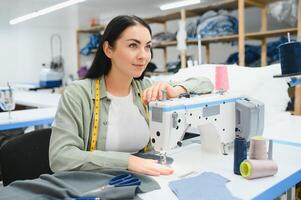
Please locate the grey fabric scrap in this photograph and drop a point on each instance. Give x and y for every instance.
(70, 184)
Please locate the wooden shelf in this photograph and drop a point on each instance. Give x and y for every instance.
(229, 38)
(91, 30)
(238, 5)
(204, 7)
(269, 34)
(94, 29)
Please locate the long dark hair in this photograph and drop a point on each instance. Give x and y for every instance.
(102, 64)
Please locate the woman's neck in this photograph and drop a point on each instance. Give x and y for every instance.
(117, 84)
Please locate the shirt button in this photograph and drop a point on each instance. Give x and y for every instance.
(105, 123)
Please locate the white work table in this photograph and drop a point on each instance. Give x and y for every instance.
(191, 159)
(37, 99)
(43, 114)
(26, 118)
(284, 128)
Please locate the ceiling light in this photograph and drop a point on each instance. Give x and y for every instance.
(179, 4)
(44, 11)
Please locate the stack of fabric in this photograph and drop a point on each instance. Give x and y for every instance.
(212, 24)
(162, 36)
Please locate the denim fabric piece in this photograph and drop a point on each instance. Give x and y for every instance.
(93, 43)
(206, 186)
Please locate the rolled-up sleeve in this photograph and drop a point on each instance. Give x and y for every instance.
(199, 85)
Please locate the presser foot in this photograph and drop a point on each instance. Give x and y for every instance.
(226, 148)
(163, 158)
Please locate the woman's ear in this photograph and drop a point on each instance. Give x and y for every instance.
(107, 49)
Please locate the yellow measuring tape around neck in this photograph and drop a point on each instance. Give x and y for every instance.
(96, 113)
(147, 147)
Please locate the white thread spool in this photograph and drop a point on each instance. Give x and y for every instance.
(251, 169)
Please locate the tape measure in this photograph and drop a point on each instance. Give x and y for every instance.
(147, 147)
(96, 113)
(96, 117)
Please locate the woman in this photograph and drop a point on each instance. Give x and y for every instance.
(102, 119)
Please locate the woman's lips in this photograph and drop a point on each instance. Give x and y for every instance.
(138, 65)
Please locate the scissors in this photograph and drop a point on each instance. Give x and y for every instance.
(122, 181)
(118, 181)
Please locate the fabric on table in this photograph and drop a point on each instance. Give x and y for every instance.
(206, 186)
(70, 184)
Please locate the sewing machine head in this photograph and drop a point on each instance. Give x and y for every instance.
(217, 117)
(7, 101)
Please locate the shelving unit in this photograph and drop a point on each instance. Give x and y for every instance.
(92, 30)
(240, 5)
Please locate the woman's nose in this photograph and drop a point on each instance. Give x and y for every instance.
(143, 54)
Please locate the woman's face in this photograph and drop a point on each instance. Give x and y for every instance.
(131, 52)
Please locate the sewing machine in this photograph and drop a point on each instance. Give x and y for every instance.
(218, 117)
(7, 101)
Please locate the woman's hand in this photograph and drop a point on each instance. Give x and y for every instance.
(155, 91)
(147, 167)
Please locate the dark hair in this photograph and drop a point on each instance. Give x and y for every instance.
(102, 64)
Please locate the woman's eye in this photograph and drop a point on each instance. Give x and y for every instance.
(133, 45)
(148, 47)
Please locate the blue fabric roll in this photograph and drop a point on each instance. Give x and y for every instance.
(240, 153)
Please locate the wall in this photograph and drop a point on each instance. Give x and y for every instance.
(25, 46)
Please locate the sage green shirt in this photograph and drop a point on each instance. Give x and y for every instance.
(71, 130)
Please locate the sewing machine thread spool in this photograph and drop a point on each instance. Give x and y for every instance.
(240, 153)
(221, 79)
(251, 169)
(290, 59)
(258, 148)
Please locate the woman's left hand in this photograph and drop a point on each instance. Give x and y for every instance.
(155, 91)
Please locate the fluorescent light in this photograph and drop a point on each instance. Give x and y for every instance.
(179, 4)
(44, 11)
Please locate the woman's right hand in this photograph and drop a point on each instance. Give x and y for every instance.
(147, 166)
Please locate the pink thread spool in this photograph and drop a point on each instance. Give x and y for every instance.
(258, 148)
(221, 79)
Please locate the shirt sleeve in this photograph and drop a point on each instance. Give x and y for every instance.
(199, 85)
(67, 149)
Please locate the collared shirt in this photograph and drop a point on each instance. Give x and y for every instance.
(71, 130)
